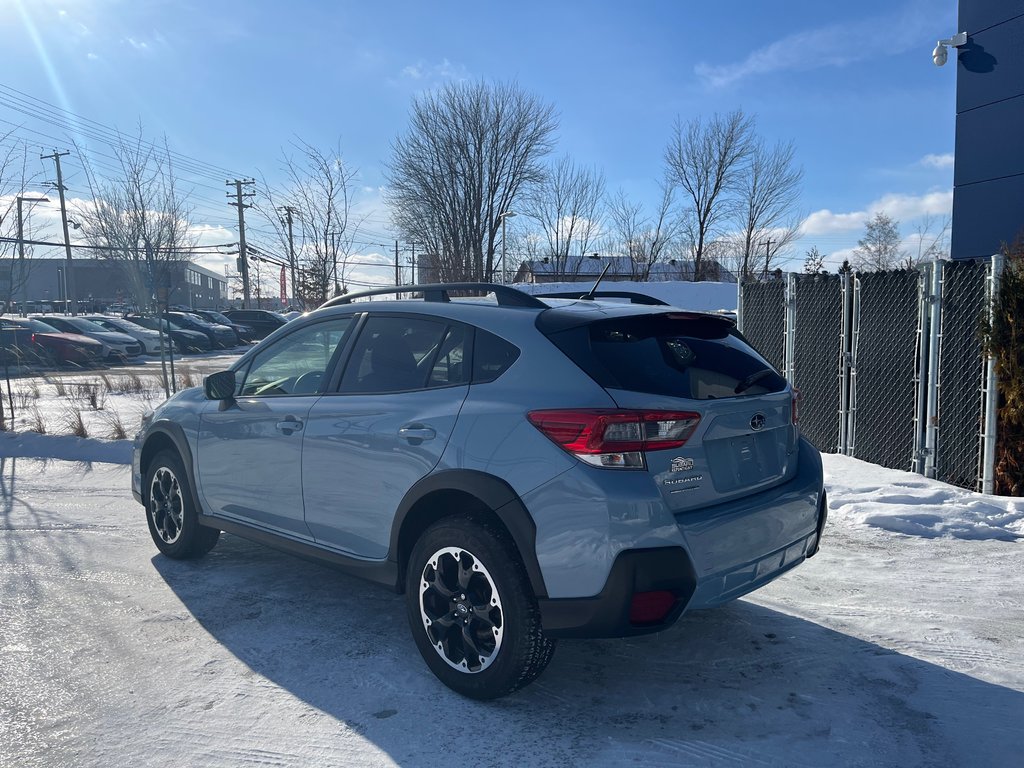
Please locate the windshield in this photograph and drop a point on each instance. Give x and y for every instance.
(86, 326)
(218, 317)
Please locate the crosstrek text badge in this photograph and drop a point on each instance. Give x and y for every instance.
(681, 464)
(757, 421)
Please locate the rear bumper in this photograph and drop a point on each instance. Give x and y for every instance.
(607, 614)
(724, 552)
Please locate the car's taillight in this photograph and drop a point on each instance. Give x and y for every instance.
(615, 439)
(795, 413)
(33, 338)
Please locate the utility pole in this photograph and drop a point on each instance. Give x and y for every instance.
(71, 295)
(398, 277)
(412, 277)
(243, 257)
(288, 212)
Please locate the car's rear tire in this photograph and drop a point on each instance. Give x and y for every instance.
(170, 512)
(471, 610)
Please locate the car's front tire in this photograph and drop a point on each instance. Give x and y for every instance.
(472, 612)
(170, 512)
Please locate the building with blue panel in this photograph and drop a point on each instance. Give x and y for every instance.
(988, 180)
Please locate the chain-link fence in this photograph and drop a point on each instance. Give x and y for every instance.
(884, 367)
(961, 367)
(817, 359)
(890, 365)
(764, 304)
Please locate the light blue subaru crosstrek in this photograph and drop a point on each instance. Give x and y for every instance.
(523, 469)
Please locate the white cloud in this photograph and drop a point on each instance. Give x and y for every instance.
(899, 206)
(92, 56)
(835, 45)
(937, 161)
(444, 70)
(138, 45)
(826, 222)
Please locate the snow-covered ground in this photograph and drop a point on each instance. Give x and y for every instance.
(902, 643)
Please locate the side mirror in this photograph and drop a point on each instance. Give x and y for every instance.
(220, 385)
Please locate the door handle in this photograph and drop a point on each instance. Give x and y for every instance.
(417, 433)
(289, 425)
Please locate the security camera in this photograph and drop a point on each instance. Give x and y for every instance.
(940, 54)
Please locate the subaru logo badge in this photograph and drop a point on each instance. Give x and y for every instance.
(757, 421)
(681, 464)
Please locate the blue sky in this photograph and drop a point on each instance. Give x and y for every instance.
(231, 82)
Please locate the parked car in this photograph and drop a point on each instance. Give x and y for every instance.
(17, 345)
(149, 340)
(63, 348)
(219, 335)
(262, 321)
(184, 340)
(244, 333)
(117, 346)
(522, 469)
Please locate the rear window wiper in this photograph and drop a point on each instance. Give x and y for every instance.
(752, 379)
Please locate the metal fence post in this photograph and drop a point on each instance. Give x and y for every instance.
(990, 419)
(845, 360)
(931, 434)
(791, 328)
(739, 302)
(920, 418)
(851, 431)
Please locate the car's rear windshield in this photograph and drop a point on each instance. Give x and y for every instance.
(679, 355)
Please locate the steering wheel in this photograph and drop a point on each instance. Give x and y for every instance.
(307, 383)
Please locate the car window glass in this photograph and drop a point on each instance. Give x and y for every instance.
(492, 356)
(392, 354)
(448, 365)
(296, 364)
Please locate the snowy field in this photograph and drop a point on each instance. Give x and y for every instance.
(901, 644)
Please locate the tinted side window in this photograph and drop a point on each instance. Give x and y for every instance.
(393, 354)
(450, 362)
(492, 356)
(296, 364)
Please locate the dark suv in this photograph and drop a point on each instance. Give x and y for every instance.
(522, 469)
(262, 321)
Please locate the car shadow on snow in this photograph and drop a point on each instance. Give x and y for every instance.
(743, 684)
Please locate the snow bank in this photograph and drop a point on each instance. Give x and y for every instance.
(703, 297)
(36, 446)
(903, 502)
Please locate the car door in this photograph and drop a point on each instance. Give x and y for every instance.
(250, 451)
(384, 429)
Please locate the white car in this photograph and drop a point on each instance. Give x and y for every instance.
(150, 340)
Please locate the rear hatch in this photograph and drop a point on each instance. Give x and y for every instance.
(674, 365)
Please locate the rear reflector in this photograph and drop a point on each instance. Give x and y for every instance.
(609, 438)
(651, 607)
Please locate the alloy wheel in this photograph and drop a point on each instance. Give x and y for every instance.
(166, 505)
(461, 609)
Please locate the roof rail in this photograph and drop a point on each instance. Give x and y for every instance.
(506, 296)
(634, 298)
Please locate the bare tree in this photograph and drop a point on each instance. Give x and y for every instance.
(932, 236)
(879, 249)
(15, 263)
(645, 239)
(706, 159)
(137, 217)
(470, 151)
(319, 191)
(567, 207)
(768, 189)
